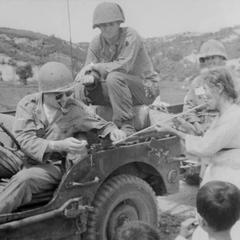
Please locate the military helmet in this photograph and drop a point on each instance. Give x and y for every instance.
(54, 77)
(212, 48)
(107, 12)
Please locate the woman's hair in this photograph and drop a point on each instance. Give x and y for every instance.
(137, 230)
(218, 203)
(221, 75)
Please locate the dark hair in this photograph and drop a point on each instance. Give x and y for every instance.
(137, 230)
(219, 204)
(221, 75)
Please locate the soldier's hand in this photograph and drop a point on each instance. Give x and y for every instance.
(76, 157)
(117, 135)
(71, 144)
(83, 72)
(100, 69)
(88, 80)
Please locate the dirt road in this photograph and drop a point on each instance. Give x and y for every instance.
(181, 203)
(173, 209)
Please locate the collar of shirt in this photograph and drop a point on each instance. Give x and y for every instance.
(111, 51)
(39, 112)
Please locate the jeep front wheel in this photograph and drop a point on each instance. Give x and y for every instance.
(122, 198)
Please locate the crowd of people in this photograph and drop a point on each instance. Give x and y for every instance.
(118, 72)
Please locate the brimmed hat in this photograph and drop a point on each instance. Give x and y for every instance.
(107, 12)
(212, 48)
(55, 77)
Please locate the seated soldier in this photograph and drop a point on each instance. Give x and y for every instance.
(119, 57)
(44, 126)
(218, 207)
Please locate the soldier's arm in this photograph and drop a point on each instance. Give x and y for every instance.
(25, 131)
(214, 140)
(126, 58)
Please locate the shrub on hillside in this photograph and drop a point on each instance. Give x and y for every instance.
(24, 72)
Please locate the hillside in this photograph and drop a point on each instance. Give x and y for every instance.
(20, 46)
(174, 56)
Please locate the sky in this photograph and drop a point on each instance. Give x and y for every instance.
(151, 18)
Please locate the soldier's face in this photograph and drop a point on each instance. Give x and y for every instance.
(109, 30)
(49, 99)
(212, 61)
(57, 99)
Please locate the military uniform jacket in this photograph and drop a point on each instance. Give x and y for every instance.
(33, 131)
(127, 55)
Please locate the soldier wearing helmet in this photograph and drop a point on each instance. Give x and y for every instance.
(44, 127)
(125, 73)
(212, 54)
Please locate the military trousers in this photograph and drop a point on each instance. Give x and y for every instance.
(119, 90)
(25, 182)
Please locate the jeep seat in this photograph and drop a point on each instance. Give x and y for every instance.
(7, 121)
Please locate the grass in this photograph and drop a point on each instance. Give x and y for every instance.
(172, 92)
(11, 93)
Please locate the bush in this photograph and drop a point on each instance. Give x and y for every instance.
(24, 72)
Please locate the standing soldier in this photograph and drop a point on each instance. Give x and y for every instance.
(212, 53)
(126, 75)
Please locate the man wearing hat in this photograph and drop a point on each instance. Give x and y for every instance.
(125, 74)
(44, 126)
(212, 54)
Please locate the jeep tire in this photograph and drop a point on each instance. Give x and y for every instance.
(122, 198)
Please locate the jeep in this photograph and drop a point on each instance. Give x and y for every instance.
(114, 184)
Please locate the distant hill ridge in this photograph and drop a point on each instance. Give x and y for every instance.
(174, 56)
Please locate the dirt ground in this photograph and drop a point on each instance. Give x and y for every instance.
(173, 209)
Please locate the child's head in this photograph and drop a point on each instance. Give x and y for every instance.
(218, 203)
(137, 230)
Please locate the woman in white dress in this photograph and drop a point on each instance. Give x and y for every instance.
(220, 145)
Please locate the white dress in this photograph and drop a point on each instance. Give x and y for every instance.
(200, 234)
(220, 146)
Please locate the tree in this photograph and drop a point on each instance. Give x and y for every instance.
(24, 72)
